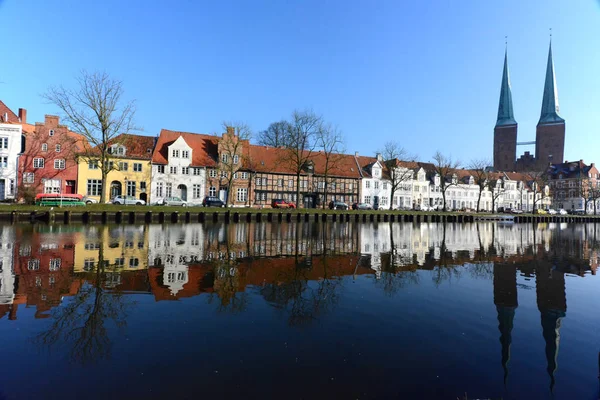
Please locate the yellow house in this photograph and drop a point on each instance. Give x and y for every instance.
(123, 248)
(131, 172)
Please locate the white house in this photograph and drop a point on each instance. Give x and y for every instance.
(11, 132)
(179, 165)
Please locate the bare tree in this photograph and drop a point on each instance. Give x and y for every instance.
(96, 110)
(480, 175)
(232, 156)
(445, 167)
(495, 186)
(393, 154)
(276, 135)
(300, 143)
(540, 178)
(331, 143)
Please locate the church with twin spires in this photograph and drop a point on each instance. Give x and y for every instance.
(550, 131)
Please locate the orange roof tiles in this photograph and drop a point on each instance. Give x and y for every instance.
(204, 147)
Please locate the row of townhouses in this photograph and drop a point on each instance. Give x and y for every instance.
(46, 158)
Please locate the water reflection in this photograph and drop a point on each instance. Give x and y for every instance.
(81, 277)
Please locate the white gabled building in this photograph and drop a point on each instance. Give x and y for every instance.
(11, 133)
(179, 165)
(375, 183)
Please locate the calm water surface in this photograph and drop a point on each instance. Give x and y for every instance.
(300, 311)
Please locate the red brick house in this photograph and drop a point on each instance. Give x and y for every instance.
(48, 164)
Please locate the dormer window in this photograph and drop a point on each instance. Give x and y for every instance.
(185, 154)
(175, 153)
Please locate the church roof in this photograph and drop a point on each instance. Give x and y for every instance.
(550, 108)
(506, 115)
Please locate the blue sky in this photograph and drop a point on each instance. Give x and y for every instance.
(424, 73)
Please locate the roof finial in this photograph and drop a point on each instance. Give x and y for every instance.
(550, 35)
(506, 43)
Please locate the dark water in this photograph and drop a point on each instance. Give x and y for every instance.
(300, 311)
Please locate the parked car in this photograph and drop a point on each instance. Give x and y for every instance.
(212, 201)
(361, 206)
(551, 211)
(540, 211)
(89, 200)
(577, 211)
(515, 211)
(506, 210)
(337, 205)
(281, 203)
(562, 211)
(173, 201)
(128, 200)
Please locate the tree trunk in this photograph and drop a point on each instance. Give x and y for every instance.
(229, 186)
(298, 190)
(393, 191)
(325, 185)
(443, 189)
(103, 182)
(478, 199)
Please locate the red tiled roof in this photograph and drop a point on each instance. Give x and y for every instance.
(12, 117)
(204, 147)
(136, 146)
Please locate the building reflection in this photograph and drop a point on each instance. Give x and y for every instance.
(295, 267)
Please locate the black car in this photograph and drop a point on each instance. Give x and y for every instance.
(211, 201)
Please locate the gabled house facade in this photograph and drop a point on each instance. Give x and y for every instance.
(49, 162)
(575, 186)
(179, 164)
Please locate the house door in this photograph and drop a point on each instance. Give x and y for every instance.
(70, 188)
(223, 195)
(182, 192)
(2, 189)
(115, 189)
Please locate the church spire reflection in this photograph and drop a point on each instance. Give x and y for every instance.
(552, 303)
(505, 299)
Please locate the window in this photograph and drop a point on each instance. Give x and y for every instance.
(33, 265)
(131, 188)
(259, 181)
(28, 177)
(93, 164)
(367, 185)
(212, 173)
(119, 262)
(123, 166)
(169, 190)
(376, 184)
(321, 185)
(175, 153)
(159, 189)
(57, 148)
(350, 186)
(3, 143)
(134, 262)
(235, 175)
(142, 187)
(137, 167)
(304, 184)
(44, 146)
(59, 163)
(196, 171)
(51, 132)
(384, 185)
(368, 199)
(173, 170)
(3, 162)
(38, 163)
(196, 191)
(55, 264)
(185, 154)
(244, 175)
(383, 201)
(242, 194)
(291, 183)
(224, 158)
(160, 169)
(223, 174)
(88, 264)
(94, 187)
(185, 170)
(236, 159)
(212, 191)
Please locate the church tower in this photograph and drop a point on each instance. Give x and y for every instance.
(505, 131)
(550, 132)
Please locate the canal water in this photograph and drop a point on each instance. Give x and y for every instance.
(300, 311)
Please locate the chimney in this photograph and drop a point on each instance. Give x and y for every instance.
(379, 157)
(231, 130)
(23, 115)
(356, 154)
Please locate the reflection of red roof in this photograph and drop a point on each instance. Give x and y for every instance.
(204, 147)
(12, 117)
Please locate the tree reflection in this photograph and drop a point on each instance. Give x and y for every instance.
(82, 323)
(395, 274)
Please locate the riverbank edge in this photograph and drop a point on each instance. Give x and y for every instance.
(107, 214)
